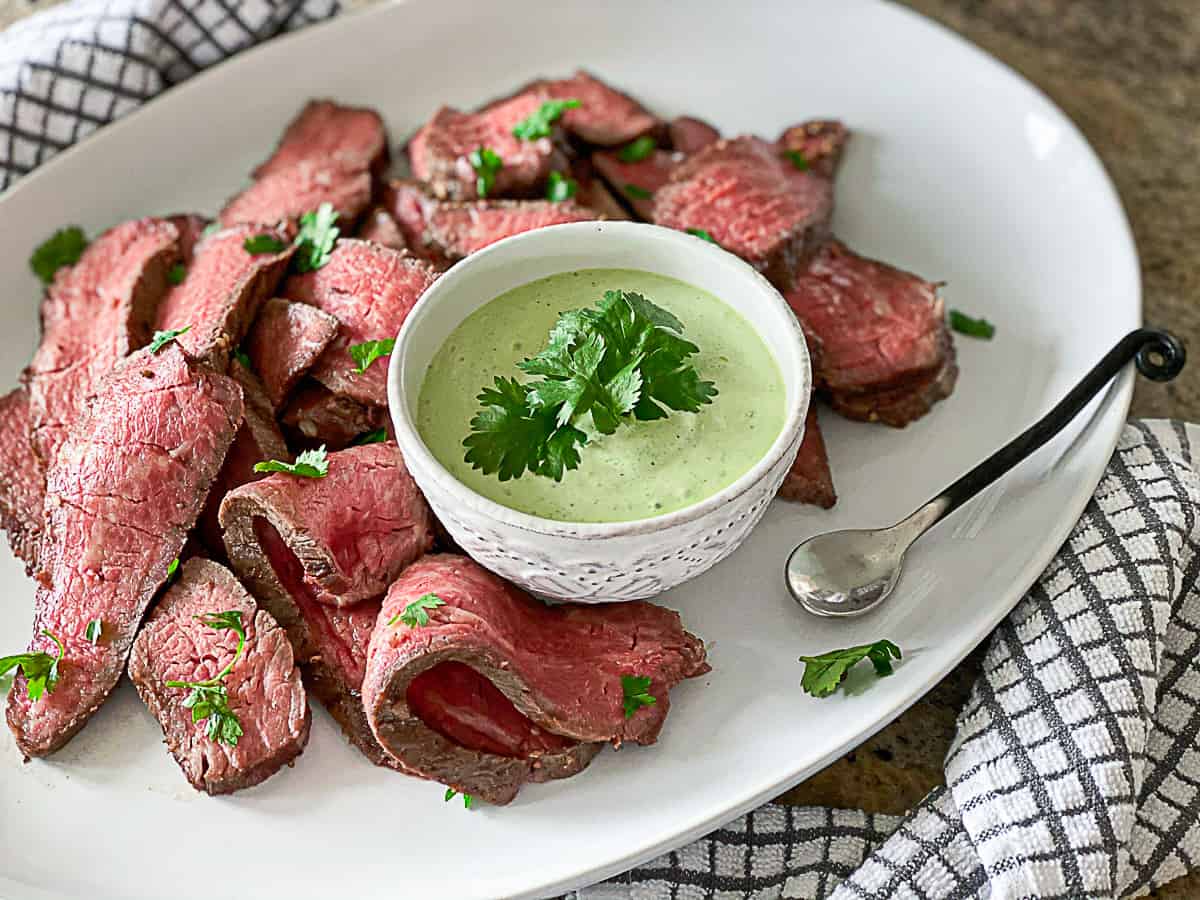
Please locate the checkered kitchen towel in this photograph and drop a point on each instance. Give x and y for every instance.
(1076, 767)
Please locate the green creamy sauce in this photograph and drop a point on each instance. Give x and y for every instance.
(645, 468)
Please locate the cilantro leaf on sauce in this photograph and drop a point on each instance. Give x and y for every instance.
(825, 672)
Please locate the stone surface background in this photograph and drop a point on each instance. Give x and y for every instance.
(1128, 74)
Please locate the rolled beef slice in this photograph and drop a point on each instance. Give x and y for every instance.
(325, 130)
(498, 689)
(285, 194)
(369, 289)
(130, 482)
(22, 480)
(809, 479)
(284, 342)
(264, 689)
(222, 291)
(316, 416)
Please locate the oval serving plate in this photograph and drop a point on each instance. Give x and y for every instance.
(959, 170)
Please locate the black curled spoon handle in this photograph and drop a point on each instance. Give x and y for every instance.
(1158, 355)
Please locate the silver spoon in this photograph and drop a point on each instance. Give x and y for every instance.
(846, 573)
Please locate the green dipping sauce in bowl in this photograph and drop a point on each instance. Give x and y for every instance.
(644, 469)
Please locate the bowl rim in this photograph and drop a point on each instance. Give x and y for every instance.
(413, 446)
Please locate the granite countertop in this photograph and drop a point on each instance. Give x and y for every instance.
(1129, 76)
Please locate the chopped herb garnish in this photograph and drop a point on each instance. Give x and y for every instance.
(309, 464)
(39, 668)
(92, 632)
(210, 229)
(559, 187)
(209, 699)
(702, 234)
(378, 436)
(637, 150)
(314, 243)
(368, 351)
(823, 673)
(63, 248)
(978, 328)
(172, 568)
(537, 125)
(799, 160)
(638, 192)
(467, 798)
(177, 273)
(414, 615)
(258, 244)
(241, 356)
(620, 361)
(637, 693)
(162, 338)
(487, 165)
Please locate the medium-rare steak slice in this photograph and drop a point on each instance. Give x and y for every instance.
(753, 201)
(95, 313)
(898, 406)
(191, 228)
(690, 135)
(369, 289)
(605, 116)
(222, 291)
(637, 183)
(315, 416)
(809, 479)
(264, 688)
(286, 194)
(129, 483)
(494, 688)
(22, 480)
(379, 226)
(325, 130)
(284, 342)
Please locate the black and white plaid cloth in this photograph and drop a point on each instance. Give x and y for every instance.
(1076, 767)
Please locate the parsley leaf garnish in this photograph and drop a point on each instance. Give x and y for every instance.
(621, 360)
(317, 235)
(637, 150)
(39, 668)
(209, 699)
(177, 273)
(378, 436)
(823, 673)
(63, 248)
(414, 615)
(637, 693)
(258, 244)
(93, 630)
(978, 328)
(638, 192)
(559, 187)
(537, 124)
(368, 351)
(309, 464)
(799, 160)
(467, 798)
(162, 338)
(487, 165)
(703, 235)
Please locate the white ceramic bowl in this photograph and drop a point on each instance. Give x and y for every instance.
(596, 562)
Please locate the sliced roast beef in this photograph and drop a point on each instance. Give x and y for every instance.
(22, 480)
(95, 313)
(369, 289)
(605, 116)
(316, 416)
(191, 228)
(264, 689)
(898, 406)
(439, 154)
(285, 194)
(222, 291)
(809, 479)
(284, 342)
(325, 130)
(593, 193)
(497, 689)
(128, 485)
(637, 183)
(689, 135)
(819, 143)
(754, 201)
(379, 227)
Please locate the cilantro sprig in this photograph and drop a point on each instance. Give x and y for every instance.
(560, 187)
(538, 123)
(39, 668)
(209, 699)
(258, 244)
(451, 793)
(620, 361)
(487, 165)
(415, 614)
(309, 464)
(162, 338)
(636, 689)
(63, 248)
(824, 673)
(368, 351)
(315, 240)
(972, 327)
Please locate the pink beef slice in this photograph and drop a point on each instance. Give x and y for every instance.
(130, 482)
(264, 687)
(379, 227)
(898, 406)
(593, 193)
(325, 130)
(315, 416)
(439, 154)
(369, 289)
(809, 479)
(94, 314)
(498, 689)
(753, 201)
(605, 116)
(22, 480)
(284, 342)
(191, 228)
(689, 135)
(637, 183)
(285, 194)
(222, 291)
(282, 558)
